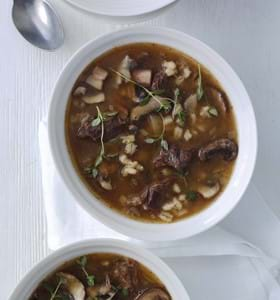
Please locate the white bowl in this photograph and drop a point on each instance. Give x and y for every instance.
(246, 125)
(29, 283)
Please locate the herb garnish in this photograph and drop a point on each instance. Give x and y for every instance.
(151, 94)
(54, 291)
(199, 90)
(99, 120)
(192, 195)
(177, 111)
(124, 292)
(82, 261)
(148, 97)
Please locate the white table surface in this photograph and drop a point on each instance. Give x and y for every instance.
(244, 32)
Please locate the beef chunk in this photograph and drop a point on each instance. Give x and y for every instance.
(152, 195)
(226, 148)
(174, 157)
(125, 272)
(159, 80)
(112, 128)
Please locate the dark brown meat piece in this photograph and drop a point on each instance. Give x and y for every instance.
(159, 81)
(154, 293)
(125, 272)
(152, 195)
(112, 128)
(226, 148)
(174, 157)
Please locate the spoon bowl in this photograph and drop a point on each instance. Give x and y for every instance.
(38, 23)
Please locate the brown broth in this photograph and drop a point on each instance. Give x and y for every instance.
(84, 151)
(100, 265)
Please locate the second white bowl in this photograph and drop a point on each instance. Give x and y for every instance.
(55, 260)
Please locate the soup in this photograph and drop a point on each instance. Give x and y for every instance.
(101, 276)
(151, 132)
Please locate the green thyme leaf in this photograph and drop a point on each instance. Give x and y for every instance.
(82, 261)
(182, 117)
(90, 280)
(94, 172)
(192, 195)
(95, 122)
(124, 292)
(176, 94)
(145, 100)
(98, 160)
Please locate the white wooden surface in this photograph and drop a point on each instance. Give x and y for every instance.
(245, 33)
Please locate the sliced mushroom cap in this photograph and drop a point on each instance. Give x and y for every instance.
(142, 76)
(98, 98)
(73, 285)
(191, 103)
(226, 148)
(153, 294)
(124, 69)
(209, 191)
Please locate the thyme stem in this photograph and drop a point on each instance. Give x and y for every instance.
(141, 86)
(56, 289)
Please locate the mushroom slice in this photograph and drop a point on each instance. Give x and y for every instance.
(170, 68)
(98, 98)
(138, 111)
(191, 103)
(99, 73)
(105, 184)
(96, 83)
(124, 69)
(209, 191)
(226, 148)
(73, 285)
(143, 77)
(153, 294)
(80, 91)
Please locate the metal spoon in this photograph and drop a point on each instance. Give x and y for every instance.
(38, 23)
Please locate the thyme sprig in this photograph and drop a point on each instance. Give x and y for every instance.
(177, 111)
(54, 292)
(82, 261)
(99, 120)
(151, 94)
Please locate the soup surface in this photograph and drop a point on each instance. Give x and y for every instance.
(151, 132)
(101, 276)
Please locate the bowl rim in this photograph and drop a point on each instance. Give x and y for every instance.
(116, 221)
(155, 264)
